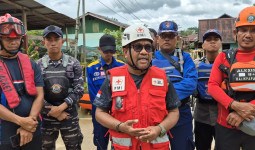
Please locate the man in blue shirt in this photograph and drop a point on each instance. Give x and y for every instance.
(182, 71)
(96, 73)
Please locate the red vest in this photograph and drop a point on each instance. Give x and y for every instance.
(146, 104)
(6, 83)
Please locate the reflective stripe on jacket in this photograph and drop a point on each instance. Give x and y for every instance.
(146, 104)
(204, 71)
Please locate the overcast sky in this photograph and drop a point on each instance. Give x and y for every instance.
(185, 13)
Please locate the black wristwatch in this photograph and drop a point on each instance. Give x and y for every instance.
(163, 130)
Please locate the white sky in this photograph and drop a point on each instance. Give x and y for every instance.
(185, 13)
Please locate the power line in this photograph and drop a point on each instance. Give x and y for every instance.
(112, 10)
(143, 9)
(123, 5)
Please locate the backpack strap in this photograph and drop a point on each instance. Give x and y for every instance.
(171, 60)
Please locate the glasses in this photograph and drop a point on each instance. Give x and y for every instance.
(6, 28)
(139, 47)
(169, 36)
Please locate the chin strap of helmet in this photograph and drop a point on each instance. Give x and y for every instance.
(12, 52)
(133, 64)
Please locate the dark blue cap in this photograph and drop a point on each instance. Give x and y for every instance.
(168, 26)
(211, 32)
(52, 29)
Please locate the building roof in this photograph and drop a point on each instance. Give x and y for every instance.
(106, 19)
(38, 16)
(224, 24)
(225, 16)
(192, 37)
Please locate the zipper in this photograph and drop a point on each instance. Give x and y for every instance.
(139, 107)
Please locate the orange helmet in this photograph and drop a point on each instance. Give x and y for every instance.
(246, 17)
(11, 26)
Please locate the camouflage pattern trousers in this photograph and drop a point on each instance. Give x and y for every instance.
(69, 129)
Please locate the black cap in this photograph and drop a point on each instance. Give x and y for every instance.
(107, 42)
(52, 29)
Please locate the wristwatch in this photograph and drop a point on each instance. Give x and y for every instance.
(163, 130)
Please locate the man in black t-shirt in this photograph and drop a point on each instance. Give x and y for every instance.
(143, 104)
(21, 90)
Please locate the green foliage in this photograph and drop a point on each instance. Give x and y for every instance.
(32, 51)
(189, 31)
(86, 87)
(117, 34)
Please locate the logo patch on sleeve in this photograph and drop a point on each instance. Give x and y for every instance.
(157, 82)
(118, 83)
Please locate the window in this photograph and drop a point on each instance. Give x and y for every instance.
(95, 27)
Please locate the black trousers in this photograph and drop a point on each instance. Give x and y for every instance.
(35, 144)
(204, 135)
(232, 139)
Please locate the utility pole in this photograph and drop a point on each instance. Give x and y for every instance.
(77, 30)
(84, 44)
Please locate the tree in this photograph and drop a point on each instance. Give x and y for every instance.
(189, 31)
(117, 34)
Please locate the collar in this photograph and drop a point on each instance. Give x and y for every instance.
(103, 62)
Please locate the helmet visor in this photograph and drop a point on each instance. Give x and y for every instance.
(6, 29)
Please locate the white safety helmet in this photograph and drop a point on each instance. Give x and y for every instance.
(135, 32)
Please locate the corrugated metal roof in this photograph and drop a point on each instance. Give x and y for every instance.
(38, 15)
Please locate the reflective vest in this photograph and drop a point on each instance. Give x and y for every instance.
(7, 86)
(240, 83)
(204, 71)
(174, 74)
(146, 104)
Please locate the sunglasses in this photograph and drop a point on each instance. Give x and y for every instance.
(139, 47)
(169, 36)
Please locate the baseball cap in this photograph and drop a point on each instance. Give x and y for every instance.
(107, 42)
(210, 32)
(52, 29)
(248, 127)
(168, 26)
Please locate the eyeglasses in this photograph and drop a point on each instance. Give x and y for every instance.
(139, 47)
(6, 28)
(169, 36)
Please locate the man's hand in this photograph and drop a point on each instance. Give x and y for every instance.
(25, 136)
(28, 123)
(244, 109)
(234, 119)
(127, 127)
(63, 115)
(55, 111)
(152, 133)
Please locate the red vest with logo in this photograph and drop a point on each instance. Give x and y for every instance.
(146, 104)
(7, 86)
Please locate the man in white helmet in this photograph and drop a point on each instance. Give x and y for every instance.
(136, 101)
